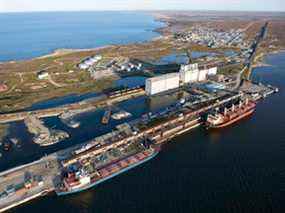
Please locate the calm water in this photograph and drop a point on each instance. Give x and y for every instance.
(239, 169)
(182, 58)
(28, 35)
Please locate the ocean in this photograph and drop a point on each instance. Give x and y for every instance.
(29, 35)
(235, 170)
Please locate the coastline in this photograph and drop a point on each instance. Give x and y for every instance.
(73, 57)
(64, 51)
(260, 59)
(63, 61)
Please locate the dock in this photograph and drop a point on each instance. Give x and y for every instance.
(27, 182)
(43, 135)
(104, 101)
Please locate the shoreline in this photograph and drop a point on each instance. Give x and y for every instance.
(65, 51)
(260, 59)
(61, 61)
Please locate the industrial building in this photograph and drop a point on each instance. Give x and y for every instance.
(203, 75)
(162, 83)
(189, 73)
(89, 62)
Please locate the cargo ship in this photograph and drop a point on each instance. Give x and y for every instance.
(230, 116)
(78, 180)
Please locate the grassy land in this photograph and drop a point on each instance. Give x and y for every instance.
(231, 69)
(25, 89)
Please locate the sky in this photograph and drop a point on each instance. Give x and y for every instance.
(79, 5)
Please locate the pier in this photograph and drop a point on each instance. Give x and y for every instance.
(105, 100)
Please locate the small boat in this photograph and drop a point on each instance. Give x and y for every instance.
(71, 123)
(121, 115)
(106, 117)
(74, 124)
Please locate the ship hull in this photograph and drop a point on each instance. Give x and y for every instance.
(62, 193)
(232, 121)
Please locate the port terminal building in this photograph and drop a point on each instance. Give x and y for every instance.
(189, 73)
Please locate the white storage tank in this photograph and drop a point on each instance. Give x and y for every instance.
(161, 83)
(89, 62)
(97, 57)
(83, 66)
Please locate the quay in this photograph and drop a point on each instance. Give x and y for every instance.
(33, 180)
(43, 135)
(103, 101)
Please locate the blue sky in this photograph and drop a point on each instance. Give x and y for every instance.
(66, 5)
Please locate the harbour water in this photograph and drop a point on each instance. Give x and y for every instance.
(28, 35)
(238, 169)
(182, 58)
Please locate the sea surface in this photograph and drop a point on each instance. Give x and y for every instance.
(29, 35)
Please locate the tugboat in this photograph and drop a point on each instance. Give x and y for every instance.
(230, 116)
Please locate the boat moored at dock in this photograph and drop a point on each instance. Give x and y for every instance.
(230, 116)
(79, 178)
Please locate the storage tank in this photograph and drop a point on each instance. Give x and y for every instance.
(89, 62)
(83, 66)
(161, 83)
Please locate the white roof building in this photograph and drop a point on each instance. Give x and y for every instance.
(162, 83)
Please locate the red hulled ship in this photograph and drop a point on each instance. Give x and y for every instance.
(231, 115)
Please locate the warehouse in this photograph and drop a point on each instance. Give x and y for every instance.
(162, 83)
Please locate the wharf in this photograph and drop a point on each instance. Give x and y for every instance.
(84, 105)
(12, 182)
(43, 135)
(158, 129)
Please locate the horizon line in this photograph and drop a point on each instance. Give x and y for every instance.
(146, 10)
